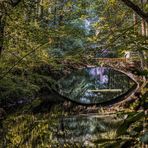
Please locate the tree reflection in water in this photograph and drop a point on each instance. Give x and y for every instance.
(82, 128)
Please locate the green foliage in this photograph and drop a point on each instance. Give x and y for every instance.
(144, 138)
(126, 124)
(14, 89)
(42, 40)
(23, 87)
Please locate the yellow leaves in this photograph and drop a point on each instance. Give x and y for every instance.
(112, 2)
(92, 39)
(83, 17)
(16, 139)
(36, 25)
(102, 18)
(146, 7)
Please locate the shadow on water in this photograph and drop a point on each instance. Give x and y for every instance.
(47, 102)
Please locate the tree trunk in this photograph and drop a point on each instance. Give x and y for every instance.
(135, 20)
(143, 23)
(143, 28)
(41, 10)
(55, 14)
(2, 24)
(146, 29)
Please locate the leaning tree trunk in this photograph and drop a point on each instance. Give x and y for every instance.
(136, 8)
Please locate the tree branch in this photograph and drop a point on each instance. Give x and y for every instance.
(137, 9)
(15, 2)
(20, 60)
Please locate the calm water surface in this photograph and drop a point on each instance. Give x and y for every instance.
(94, 85)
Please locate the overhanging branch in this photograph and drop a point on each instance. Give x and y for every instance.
(20, 60)
(15, 2)
(137, 9)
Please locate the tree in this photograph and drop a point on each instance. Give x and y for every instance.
(4, 7)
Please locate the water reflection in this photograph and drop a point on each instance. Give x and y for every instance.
(100, 73)
(94, 85)
(84, 127)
